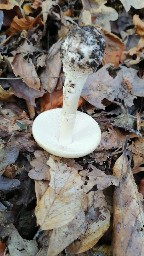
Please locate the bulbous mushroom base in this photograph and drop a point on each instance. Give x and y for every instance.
(86, 134)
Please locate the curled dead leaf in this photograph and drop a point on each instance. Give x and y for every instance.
(6, 94)
(18, 25)
(139, 25)
(114, 48)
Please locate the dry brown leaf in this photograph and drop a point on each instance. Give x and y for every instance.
(40, 169)
(139, 25)
(62, 201)
(95, 177)
(128, 237)
(26, 71)
(97, 222)
(18, 25)
(134, 55)
(25, 48)
(138, 154)
(50, 74)
(137, 4)
(96, 13)
(21, 90)
(62, 237)
(124, 87)
(54, 100)
(111, 139)
(5, 94)
(114, 48)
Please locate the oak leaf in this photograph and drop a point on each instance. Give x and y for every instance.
(62, 201)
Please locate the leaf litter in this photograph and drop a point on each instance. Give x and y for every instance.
(55, 206)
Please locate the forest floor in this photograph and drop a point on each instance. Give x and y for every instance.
(93, 205)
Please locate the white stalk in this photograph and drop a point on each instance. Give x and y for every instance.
(73, 86)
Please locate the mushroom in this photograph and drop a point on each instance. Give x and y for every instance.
(67, 132)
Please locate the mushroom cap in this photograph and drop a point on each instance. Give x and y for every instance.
(86, 134)
(82, 50)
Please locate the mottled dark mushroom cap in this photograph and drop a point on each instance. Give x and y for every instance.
(82, 49)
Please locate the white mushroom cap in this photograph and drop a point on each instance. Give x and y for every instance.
(86, 135)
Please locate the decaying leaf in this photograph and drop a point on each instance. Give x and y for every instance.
(20, 24)
(139, 25)
(8, 185)
(114, 48)
(5, 94)
(19, 246)
(50, 74)
(26, 70)
(21, 90)
(40, 169)
(97, 222)
(94, 177)
(97, 13)
(126, 86)
(134, 55)
(8, 155)
(128, 237)
(62, 237)
(137, 4)
(62, 201)
(138, 155)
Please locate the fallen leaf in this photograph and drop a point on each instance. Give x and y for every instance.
(8, 155)
(137, 4)
(139, 25)
(97, 222)
(95, 177)
(25, 48)
(51, 72)
(46, 5)
(5, 94)
(124, 87)
(61, 237)
(20, 24)
(128, 236)
(141, 186)
(62, 201)
(54, 100)
(40, 169)
(134, 55)
(8, 185)
(21, 90)
(114, 48)
(96, 13)
(26, 70)
(19, 246)
(2, 248)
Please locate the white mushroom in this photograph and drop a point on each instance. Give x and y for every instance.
(68, 132)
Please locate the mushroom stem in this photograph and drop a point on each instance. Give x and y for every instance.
(73, 86)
